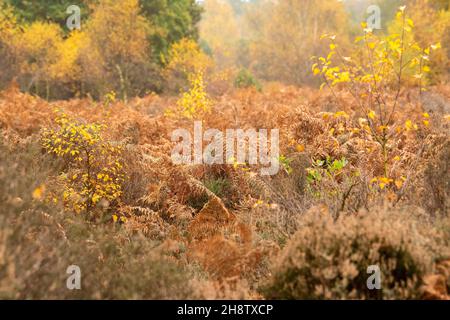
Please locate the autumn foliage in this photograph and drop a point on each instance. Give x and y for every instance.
(87, 178)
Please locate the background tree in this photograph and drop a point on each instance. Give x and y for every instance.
(357, 10)
(8, 31)
(115, 56)
(432, 25)
(112, 51)
(219, 30)
(67, 71)
(128, 47)
(172, 20)
(47, 10)
(37, 50)
(285, 34)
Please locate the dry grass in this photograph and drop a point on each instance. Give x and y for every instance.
(220, 231)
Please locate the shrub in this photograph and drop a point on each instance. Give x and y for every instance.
(327, 260)
(95, 168)
(194, 102)
(245, 79)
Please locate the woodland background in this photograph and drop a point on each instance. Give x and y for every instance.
(132, 47)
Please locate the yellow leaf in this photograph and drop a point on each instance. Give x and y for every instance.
(114, 217)
(409, 125)
(38, 192)
(371, 114)
(384, 180)
(300, 148)
(326, 115)
(436, 46)
(341, 114)
(95, 198)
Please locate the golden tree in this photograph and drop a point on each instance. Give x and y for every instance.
(67, 68)
(115, 53)
(37, 50)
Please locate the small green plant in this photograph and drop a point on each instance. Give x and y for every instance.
(329, 167)
(218, 186)
(333, 181)
(95, 169)
(285, 164)
(245, 79)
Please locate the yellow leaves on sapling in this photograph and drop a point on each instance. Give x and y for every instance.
(95, 164)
